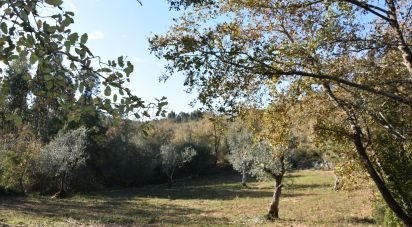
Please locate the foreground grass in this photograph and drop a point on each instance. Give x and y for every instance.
(308, 200)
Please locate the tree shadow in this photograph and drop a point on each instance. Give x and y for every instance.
(353, 221)
(117, 211)
(358, 220)
(223, 187)
(309, 186)
(206, 192)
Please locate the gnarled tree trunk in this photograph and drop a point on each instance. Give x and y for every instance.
(273, 212)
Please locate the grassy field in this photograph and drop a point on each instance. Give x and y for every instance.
(307, 200)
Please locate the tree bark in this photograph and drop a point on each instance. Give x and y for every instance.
(62, 192)
(243, 177)
(338, 182)
(21, 184)
(402, 46)
(170, 178)
(273, 212)
(356, 137)
(386, 194)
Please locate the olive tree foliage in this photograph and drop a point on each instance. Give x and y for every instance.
(258, 158)
(174, 157)
(41, 30)
(276, 132)
(62, 156)
(351, 53)
(241, 150)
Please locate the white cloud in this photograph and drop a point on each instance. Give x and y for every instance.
(96, 35)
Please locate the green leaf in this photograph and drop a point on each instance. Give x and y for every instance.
(24, 16)
(54, 2)
(84, 38)
(81, 87)
(67, 21)
(73, 38)
(105, 70)
(33, 58)
(129, 69)
(80, 52)
(120, 61)
(115, 98)
(4, 28)
(14, 117)
(108, 91)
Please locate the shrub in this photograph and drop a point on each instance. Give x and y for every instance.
(59, 160)
(16, 152)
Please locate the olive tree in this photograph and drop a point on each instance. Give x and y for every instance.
(241, 146)
(174, 157)
(62, 156)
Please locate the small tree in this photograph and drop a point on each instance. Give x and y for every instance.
(273, 162)
(172, 158)
(16, 152)
(278, 142)
(241, 151)
(63, 155)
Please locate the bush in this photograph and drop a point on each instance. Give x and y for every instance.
(305, 157)
(121, 157)
(201, 164)
(58, 162)
(16, 152)
(174, 157)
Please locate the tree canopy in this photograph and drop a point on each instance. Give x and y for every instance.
(40, 30)
(354, 55)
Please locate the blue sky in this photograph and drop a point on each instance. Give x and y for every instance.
(122, 28)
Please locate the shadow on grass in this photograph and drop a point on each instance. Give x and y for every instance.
(108, 211)
(362, 220)
(223, 187)
(309, 186)
(131, 206)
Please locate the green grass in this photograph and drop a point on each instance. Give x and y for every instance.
(307, 200)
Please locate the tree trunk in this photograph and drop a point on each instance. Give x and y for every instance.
(244, 177)
(402, 46)
(169, 182)
(273, 212)
(170, 178)
(21, 184)
(386, 194)
(338, 183)
(62, 192)
(356, 137)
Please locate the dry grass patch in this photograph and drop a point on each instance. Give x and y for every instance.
(308, 200)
